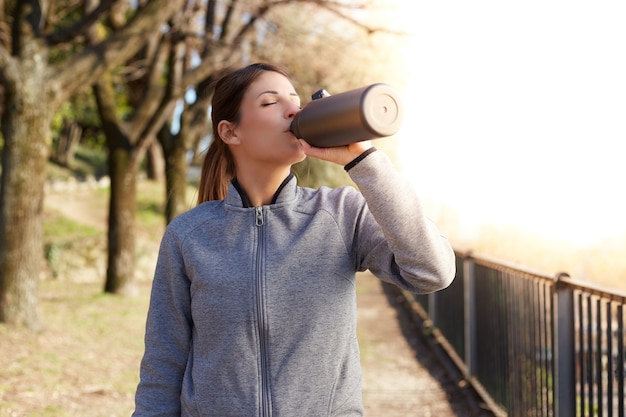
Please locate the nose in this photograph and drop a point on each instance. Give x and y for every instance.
(292, 110)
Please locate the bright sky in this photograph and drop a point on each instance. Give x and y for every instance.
(516, 112)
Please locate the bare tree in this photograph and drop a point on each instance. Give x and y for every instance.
(153, 80)
(36, 82)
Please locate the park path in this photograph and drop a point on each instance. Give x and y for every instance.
(403, 377)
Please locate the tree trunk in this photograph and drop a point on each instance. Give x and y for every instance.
(26, 130)
(176, 181)
(68, 141)
(155, 165)
(121, 233)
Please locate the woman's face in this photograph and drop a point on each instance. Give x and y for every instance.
(263, 133)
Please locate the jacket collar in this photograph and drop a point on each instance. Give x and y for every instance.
(237, 196)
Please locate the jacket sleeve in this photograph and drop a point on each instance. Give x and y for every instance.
(395, 240)
(168, 335)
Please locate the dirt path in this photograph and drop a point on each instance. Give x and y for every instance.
(82, 204)
(401, 379)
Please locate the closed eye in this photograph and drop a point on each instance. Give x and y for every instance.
(268, 104)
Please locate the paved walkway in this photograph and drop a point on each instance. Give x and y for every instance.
(403, 378)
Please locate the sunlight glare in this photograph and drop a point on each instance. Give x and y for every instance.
(515, 113)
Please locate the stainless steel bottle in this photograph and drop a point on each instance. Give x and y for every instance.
(362, 114)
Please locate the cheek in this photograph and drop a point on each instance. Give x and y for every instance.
(256, 126)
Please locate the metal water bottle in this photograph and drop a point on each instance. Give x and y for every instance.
(362, 114)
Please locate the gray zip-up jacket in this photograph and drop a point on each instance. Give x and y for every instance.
(253, 309)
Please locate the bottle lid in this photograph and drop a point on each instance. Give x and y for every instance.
(381, 110)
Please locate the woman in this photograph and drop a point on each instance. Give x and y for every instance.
(253, 306)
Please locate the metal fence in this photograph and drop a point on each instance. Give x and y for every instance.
(532, 344)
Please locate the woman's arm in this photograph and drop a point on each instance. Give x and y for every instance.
(168, 335)
(399, 243)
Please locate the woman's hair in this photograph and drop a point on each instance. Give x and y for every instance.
(218, 168)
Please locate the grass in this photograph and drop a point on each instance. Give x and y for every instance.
(59, 227)
(85, 362)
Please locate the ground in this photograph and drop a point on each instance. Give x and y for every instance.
(402, 375)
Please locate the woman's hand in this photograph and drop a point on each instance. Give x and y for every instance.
(341, 155)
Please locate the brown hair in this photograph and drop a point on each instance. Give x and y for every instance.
(218, 167)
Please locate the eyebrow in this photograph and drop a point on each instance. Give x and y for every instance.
(274, 92)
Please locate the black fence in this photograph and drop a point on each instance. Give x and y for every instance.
(531, 344)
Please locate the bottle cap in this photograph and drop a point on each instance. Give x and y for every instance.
(381, 110)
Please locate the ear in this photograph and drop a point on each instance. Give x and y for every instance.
(226, 131)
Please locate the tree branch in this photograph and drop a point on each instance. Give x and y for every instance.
(227, 19)
(331, 7)
(81, 27)
(209, 21)
(338, 7)
(154, 92)
(220, 56)
(115, 128)
(84, 68)
(260, 12)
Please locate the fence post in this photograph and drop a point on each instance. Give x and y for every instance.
(469, 307)
(564, 349)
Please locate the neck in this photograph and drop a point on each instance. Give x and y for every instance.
(260, 186)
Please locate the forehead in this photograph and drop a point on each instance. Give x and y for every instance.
(270, 81)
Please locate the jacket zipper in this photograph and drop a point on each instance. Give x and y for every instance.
(264, 394)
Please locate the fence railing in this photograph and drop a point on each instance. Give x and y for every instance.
(532, 344)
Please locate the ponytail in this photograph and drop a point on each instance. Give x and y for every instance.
(218, 169)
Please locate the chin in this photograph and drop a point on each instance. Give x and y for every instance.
(298, 158)
(299, 154)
